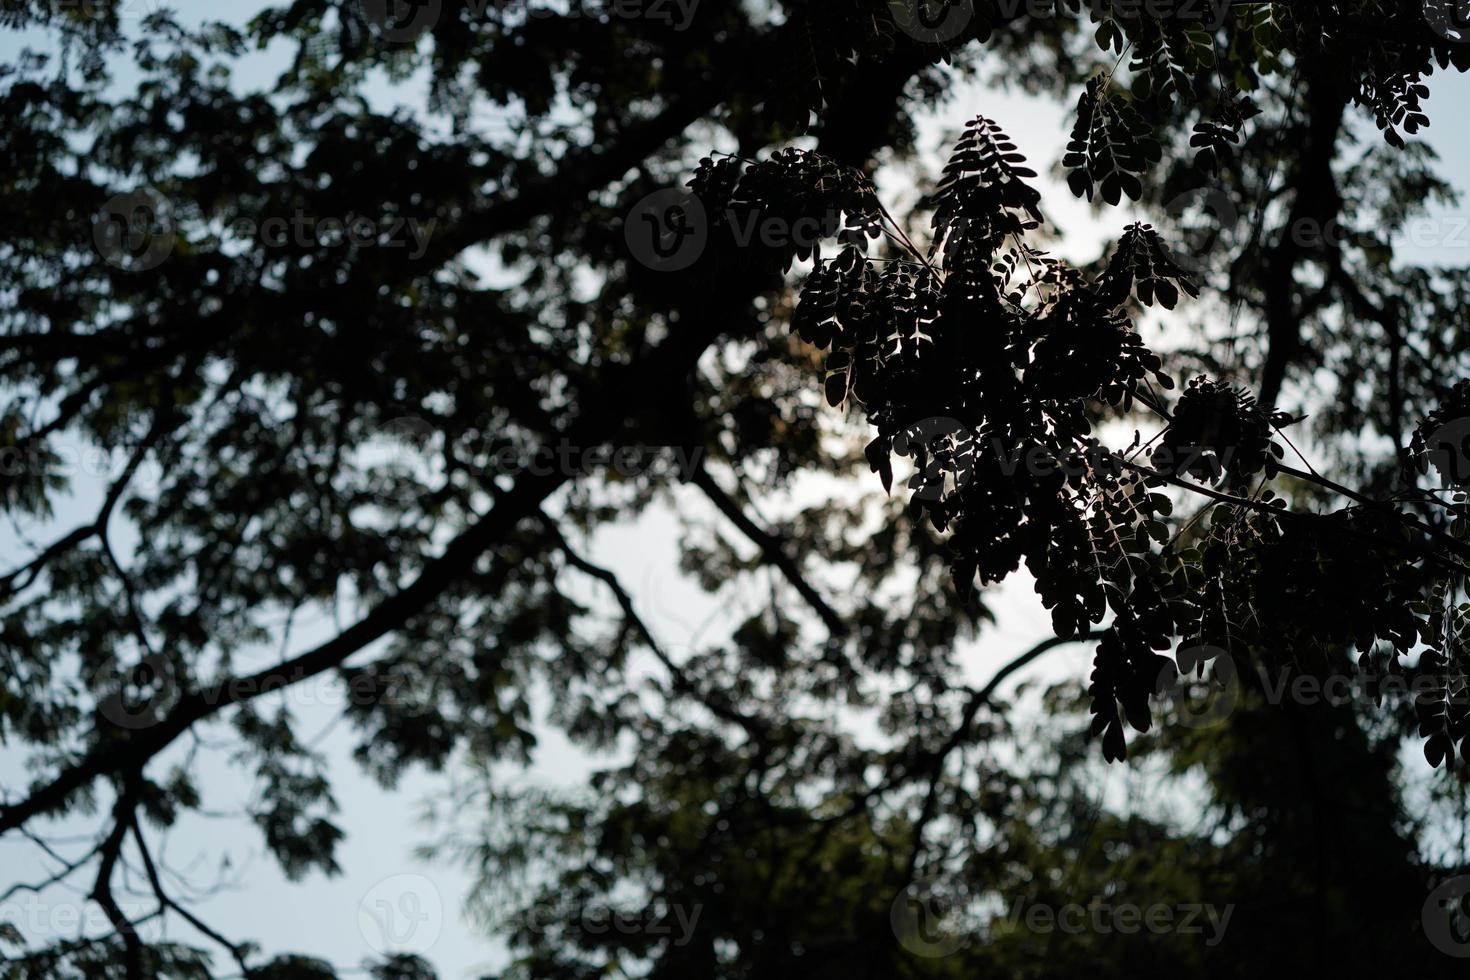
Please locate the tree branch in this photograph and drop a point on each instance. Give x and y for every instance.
(773, 550)
(978, 700)
(627, 385)
(236, 950)
(133, 752)
(111, 850)
(625, 602)
(32, 569)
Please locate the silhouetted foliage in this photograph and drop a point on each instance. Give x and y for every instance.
(370, 426)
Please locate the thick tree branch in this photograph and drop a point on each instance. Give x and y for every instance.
(131, 753)
(111, 851)
(601, 419)
(580, 173)
(1316, 204)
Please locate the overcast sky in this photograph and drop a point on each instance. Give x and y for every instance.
(342, 919)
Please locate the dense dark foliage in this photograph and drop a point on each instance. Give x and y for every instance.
(314, 418)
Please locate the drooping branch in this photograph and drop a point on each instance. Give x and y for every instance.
(680, 677)
(773, 550)
(934, 765)
(236, 950)
(24, 576)
(67, 869)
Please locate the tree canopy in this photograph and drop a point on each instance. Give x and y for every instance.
(399, 304)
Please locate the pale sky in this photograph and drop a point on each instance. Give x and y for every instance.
(334, 918)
